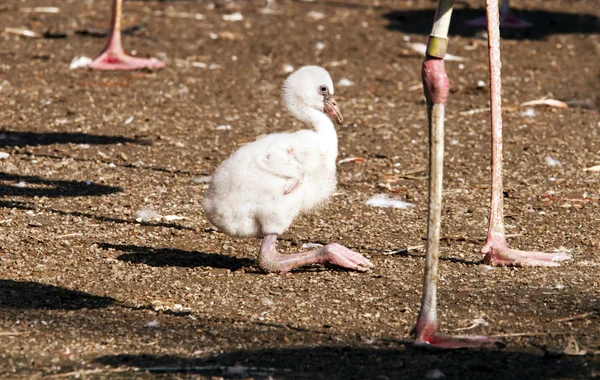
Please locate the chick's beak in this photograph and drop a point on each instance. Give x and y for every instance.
(331, 108)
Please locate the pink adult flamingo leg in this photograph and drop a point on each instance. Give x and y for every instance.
(113, 57)
(496, 250)
(436, 85)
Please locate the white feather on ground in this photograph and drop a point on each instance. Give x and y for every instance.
(383, 200)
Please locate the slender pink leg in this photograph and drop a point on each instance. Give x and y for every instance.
(113, 57)
(496, 250)
(435, 84)
(507, 20)
(272, 261)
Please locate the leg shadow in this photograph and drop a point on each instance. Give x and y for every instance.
(335, 362)
(33, 295)
(171, 257)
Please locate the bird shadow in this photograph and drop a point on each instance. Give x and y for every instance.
(34, 295)
(351, 362)
(545, 23)
(136, 166)
(171, 257)
(33, 186)
(22, 139)
(25, 139)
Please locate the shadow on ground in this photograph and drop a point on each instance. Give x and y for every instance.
(333, 362)
(21, 139)
(32, 206)
(34, 295)
(134, 165)
(171, 257)
(33, 186)
(545, 23)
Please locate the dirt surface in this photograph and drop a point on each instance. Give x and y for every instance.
(86, 290)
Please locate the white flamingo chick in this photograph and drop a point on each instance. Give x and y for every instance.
(262, 187)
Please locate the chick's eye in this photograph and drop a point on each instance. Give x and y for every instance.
(323, 90)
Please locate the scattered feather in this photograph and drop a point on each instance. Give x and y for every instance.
(223, 127)
(146, 214)
(237, 16)
(129, 120)
(270, 8)
(311, 245)
(22, 32)
(230, 36)
(553, 162)
(177, 308)
(170, 218)
(154, 323)
(201, 65)
(315, 15)
(5, 85)
(592, 169)
(201, 179)
(351, 159)
(344, 82)
(79, 62)
(267, 302)
(335, 63)
(474, 111)
(383, 200)
(529, 112)
(22, 184)
(546, 102)
(475, 323)
(40, 10)
(171, 13)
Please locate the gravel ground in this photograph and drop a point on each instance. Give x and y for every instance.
(86, 290)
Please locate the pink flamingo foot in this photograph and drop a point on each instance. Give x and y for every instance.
(428, 336)
(507, 21)
(272, 261)
(496, 252)
(121, 61)
(346, 258)
(114, 57)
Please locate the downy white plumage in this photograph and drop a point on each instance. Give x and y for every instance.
(262, 187)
